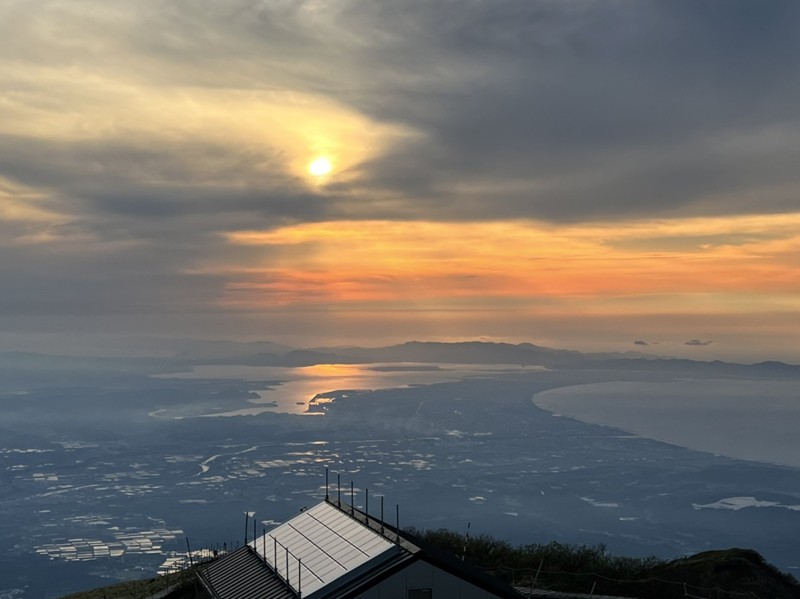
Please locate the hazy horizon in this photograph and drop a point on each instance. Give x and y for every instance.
(128, 346)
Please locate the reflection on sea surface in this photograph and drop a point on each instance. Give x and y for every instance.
(299, 385)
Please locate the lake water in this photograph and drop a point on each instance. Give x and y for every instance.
(299, 385)
(745, 419)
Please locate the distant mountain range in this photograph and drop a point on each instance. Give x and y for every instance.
(187, 353)
(479, 352)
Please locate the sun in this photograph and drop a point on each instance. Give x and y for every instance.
(319, 167)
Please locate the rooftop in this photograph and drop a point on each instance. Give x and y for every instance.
(321, 545)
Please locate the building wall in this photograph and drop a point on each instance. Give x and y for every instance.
(422, 575)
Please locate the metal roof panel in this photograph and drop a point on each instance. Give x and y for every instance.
(323, 544)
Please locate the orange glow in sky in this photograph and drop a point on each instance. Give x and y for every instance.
(379, 261)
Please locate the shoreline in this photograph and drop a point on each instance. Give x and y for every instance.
(752, 420)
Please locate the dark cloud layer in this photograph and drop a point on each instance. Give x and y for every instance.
(698, 342)
(597, 110)
(555, 110)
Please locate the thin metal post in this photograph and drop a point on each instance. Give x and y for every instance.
(246, 522)
(366, 505)
(466, 540)
(326, 483)
(264, 544)
(339, 490)
(541, 563)
(275, 554)
(352, 498)
(299, 577)
(398, 522)
(287, 567)
(189, 553)
(381, 514)
(254, 532)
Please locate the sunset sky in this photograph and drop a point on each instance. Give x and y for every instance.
(606, 175)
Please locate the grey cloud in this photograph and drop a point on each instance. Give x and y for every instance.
(82, 293)
(135, 225)
(636, 99)
(90, 276)
(549, 109)
(698, 342)
(203, 186)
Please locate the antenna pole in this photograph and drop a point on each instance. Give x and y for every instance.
(264, 544)
(397, 528)
(287, 567)
(366, 505)
(339, 490)
(189, 552)
(381, 514)
(254, 532)
(536, 578)
(246, 522)
(326, 484)
(352, 499)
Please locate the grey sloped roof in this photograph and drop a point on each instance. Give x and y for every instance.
(243, 575)
(321, 548)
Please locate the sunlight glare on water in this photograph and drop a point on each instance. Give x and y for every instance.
(298, 385)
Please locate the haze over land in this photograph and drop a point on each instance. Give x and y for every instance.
(106, 464)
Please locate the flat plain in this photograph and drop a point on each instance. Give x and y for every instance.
(108, 474)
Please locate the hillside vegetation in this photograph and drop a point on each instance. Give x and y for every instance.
(181, 585)
(556, 566)
(725, 574)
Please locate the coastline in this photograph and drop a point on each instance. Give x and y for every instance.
(752, 420)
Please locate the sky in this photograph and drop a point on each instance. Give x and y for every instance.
(607, 175)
